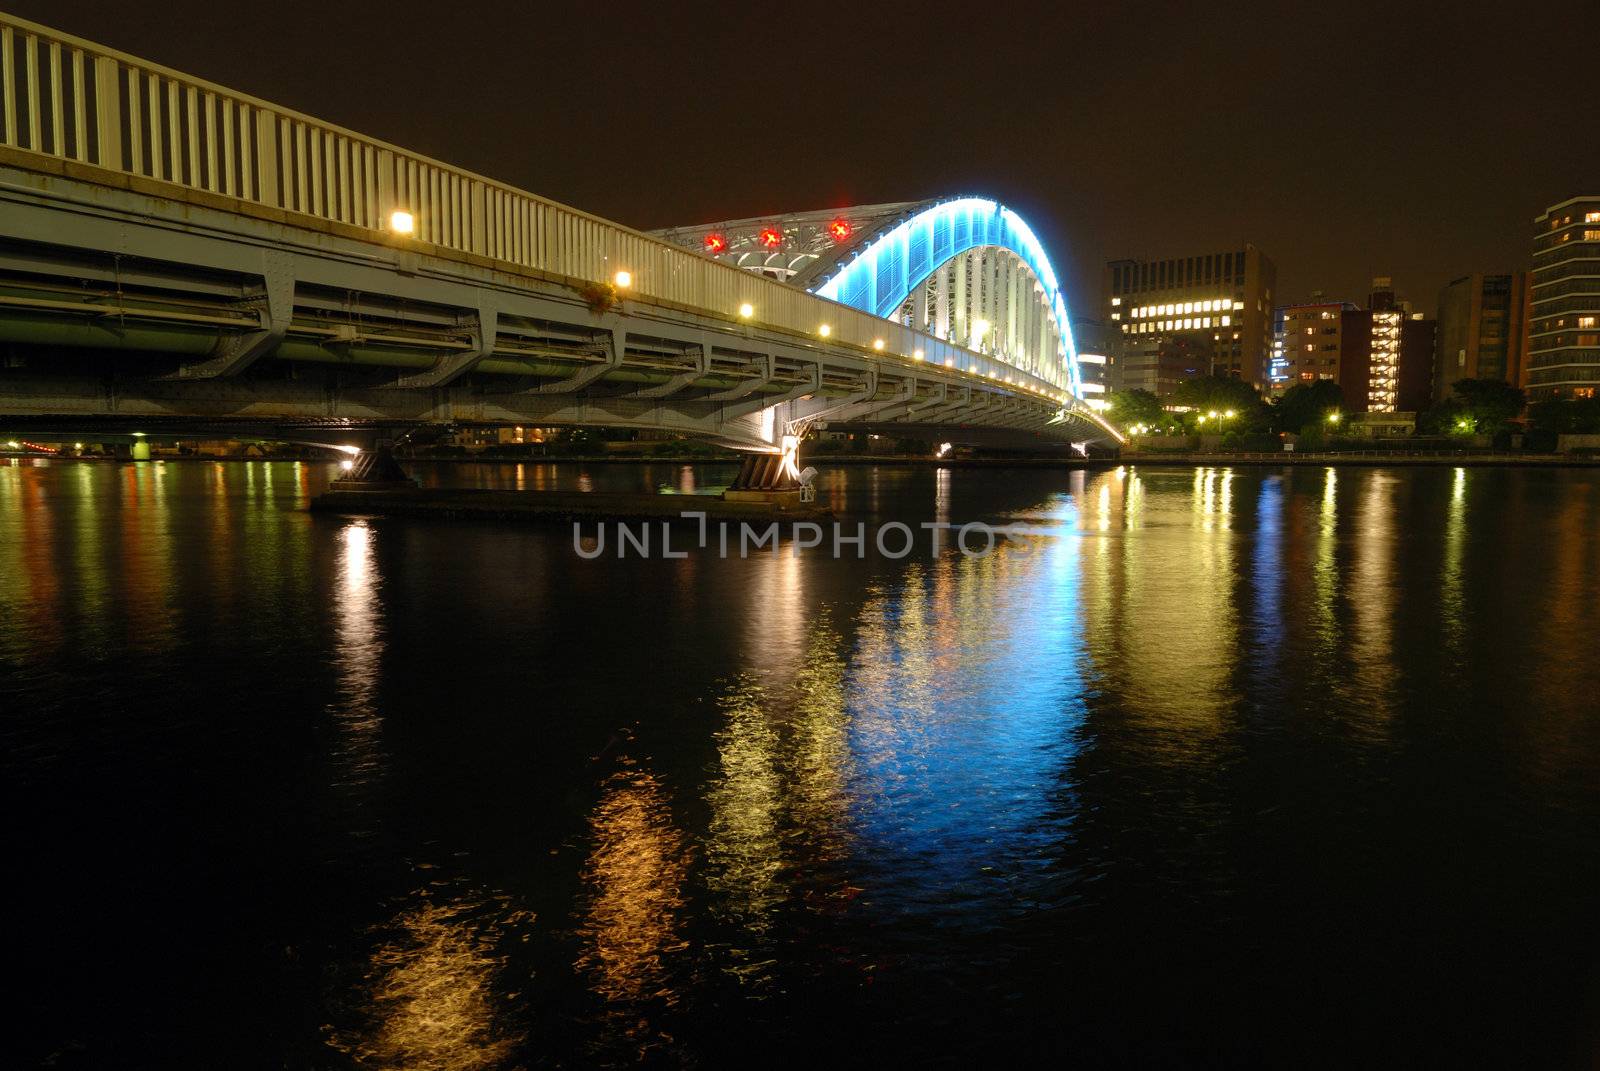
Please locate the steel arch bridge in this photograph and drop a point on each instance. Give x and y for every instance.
(965, 269)
(176, 254)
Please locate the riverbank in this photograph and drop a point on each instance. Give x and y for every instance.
(1375, 458)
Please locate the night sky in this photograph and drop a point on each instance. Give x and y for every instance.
(1417, 140)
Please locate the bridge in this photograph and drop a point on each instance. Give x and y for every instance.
(176, 255)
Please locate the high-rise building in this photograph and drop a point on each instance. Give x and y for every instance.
(1096, 342)
(1564, 324)
(1381, 356)
(1482, 330)
(1310, 343)
(1188, 316)
(1398, 376)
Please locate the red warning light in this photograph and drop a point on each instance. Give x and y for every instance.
(716, 243)
(771, 237)
(841, 230)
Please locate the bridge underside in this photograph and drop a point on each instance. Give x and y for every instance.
(123, 310)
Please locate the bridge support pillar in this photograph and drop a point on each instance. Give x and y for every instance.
(769, 478)
(375, 470)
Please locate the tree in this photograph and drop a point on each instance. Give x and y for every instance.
(1489, 404)
(1306, 404)
(1216, 392)
(1223, 394)
(1441, 418)
(1130, 407)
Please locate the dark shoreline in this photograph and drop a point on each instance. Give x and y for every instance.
(823, 461)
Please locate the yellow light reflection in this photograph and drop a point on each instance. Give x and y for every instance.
(431, 1001)
(635, 875)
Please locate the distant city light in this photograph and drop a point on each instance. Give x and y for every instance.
(402, 222)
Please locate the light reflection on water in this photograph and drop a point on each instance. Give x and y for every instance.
(429, 998)
(1210, 695)
(635, 874)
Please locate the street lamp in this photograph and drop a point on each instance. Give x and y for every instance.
(1333, 417)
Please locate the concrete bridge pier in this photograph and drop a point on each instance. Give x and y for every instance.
(374, 469)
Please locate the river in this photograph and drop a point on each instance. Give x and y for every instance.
(1229, 767)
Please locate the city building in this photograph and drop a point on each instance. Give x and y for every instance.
(1309, 343)
(1564, 321)
(1482, 330)
(1096, 342)
(1381, 356)
(1189, 316)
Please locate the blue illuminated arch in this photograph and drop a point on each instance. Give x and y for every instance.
(886, 269)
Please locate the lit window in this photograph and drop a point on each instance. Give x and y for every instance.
(1227, 320)
(1116, 301)
(1586, 321)
(1591, 217)
(1591, 236)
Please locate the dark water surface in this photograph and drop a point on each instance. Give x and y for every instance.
(1294, 768)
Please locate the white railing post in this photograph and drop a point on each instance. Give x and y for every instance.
(107, 114)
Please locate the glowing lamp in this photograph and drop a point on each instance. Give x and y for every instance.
(824, 330)
(623, 279)
(746, 311)
(771, 237)
(840, 230)
(402, 222)
(716, 243)
(877, 344)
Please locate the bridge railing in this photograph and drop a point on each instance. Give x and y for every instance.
(70, 98)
